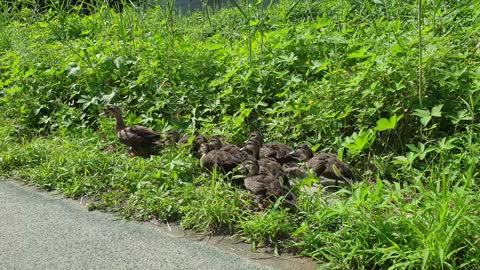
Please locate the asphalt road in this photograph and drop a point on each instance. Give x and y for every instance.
(41, 231)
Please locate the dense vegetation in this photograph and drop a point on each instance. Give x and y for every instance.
(392, 86)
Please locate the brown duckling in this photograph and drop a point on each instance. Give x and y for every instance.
(195, 146)
(141, 139)
(326, 166)
(267, 165)
(184, 139)
(199, 139)
(172, 137)
(294, 170)
(278, 151)
(256, 136)
(264, 185)
(216, 142)
(221, 160)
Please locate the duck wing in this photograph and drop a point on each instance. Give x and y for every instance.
(234, 150)
(266, 185)
(271, 166)
(138, 135)
(329, 166)
(184, 139)
(257, 184)
(223, 160)
(294, 170)
(318, 164)
(278, 151)
(337, 169)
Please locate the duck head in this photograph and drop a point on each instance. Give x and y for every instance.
(172, 136)
(197, 142)
(203, 149)
(256, 136)
(250, 167)
(252, 148)
(215, 143)
(112, 110)
(199, 139)
(303, 153)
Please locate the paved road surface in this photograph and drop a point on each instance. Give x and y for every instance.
(41, 231)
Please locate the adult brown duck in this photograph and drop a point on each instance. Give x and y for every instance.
(326, 166)
(140, 139)
(264, 185)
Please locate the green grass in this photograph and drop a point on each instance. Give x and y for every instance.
(353, 77)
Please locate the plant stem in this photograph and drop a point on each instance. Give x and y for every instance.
(420, 48)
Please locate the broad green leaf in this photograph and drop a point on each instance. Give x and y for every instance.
(319, 65)
(437, 111)
(359, 141)
(424, 115)
(107, 98)
(405, 160)
(119, 62)
(445, 145)
(462, 115)
(386, 124)
(360, 53)
(420, 150)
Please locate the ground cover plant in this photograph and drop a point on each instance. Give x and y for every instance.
(393, 87)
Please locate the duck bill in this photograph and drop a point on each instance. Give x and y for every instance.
(293, 155)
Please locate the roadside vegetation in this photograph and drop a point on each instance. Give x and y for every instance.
(393, 87)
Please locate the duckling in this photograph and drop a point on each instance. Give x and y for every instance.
(140, 139)
(256, 136)
(222, 160)
(252, 148)
(197, 142)
(216, 143)
(294, 170)
(184, 139)
(195, 146)
(263, 185)
(278, 151)
(326, 166)
(267, 165)
(172, 137)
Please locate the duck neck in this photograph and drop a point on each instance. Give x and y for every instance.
(309, 155)
(256, 154)
(119, 124)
